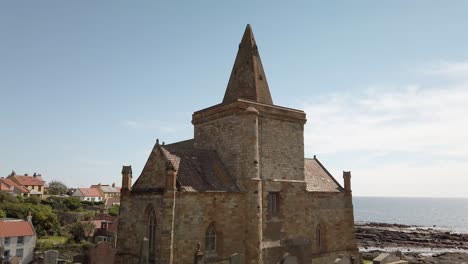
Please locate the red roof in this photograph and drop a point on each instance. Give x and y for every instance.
(29, 180)
(90, 192)
(12, 183)
(12, 228)
(4, 187)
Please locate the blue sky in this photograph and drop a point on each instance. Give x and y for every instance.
(88, 86)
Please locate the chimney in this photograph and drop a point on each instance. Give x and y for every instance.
(126, 178)
(29, 217)
(347, 182)
(113, 184)
(170, 179)
(34, 175)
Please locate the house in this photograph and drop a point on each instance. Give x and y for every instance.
(34, 183)
(240, 187)
(18, 239)
(107, 191)
(15, 188)
(105, 229)
(112, 201)
(88, 194)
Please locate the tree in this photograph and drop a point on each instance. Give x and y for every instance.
(81, 230)
(72, 203)
(114, 210)
(57, 188)
(2, 214)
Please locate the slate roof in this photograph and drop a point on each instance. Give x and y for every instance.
(318, 178)
(13, 228)
(89, 192)
(199, 170)
(106, 188)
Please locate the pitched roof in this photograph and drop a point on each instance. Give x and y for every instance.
(318, 178)
(4, 187)
(16, 227)
(105, 188)
(199, 170)
(12, 183)
(29, 180)
(111, 201)
(248, 80)
(109, 189)
(90, 192)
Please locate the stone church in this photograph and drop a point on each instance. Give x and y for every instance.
(241, 190)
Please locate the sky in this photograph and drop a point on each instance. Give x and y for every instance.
(88, 86)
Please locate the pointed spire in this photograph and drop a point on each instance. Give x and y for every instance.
(248, 80)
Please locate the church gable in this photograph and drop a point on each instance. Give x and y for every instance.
(155, 170)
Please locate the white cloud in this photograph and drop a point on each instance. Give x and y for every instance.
(427, 123)
(447, 69)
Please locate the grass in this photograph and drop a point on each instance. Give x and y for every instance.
(367, 261)
(51, 241)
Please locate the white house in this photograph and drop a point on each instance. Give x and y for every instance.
(88, 194)
(18, 239)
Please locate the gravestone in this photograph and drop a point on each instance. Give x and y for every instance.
(50, 257)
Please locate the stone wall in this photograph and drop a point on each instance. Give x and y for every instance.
(301, 213)
(222, 135)
(154, 173)
(135, 208)
(281, 145)
(196, 212)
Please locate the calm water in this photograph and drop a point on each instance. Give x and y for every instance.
(450, 213)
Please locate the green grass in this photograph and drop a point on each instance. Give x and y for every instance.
(51, 241)
(367, 261)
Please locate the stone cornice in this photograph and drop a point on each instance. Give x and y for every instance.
(237, 107)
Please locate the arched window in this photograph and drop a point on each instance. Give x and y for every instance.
(210, 239)
(152, 235)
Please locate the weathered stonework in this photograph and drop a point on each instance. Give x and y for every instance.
(241, 185)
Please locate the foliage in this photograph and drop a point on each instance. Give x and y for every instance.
(2, 214)
(72, 203)
(5, 197)
(51, 242)
(44, 219)
(80, 230)
(88, 215)
(114, 210)
(57, 188)
(63, 203)
(90, 203)
(33, 200)
(55, 202)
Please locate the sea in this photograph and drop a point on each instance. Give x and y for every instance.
(449, 214)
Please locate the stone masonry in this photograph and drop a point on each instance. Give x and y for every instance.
(240, 187)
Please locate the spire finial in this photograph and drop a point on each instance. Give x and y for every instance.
(248, 80)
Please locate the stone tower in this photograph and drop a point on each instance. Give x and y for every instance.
(241, 186)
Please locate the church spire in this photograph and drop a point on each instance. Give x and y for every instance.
(248, 80)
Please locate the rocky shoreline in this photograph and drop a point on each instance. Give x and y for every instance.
(418, 244)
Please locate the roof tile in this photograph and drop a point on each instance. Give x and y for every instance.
(12, 228)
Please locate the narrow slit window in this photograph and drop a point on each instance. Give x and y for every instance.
(273, 203)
